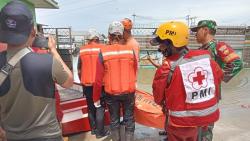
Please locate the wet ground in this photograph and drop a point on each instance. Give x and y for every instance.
(234, 123)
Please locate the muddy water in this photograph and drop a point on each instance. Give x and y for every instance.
(145, 78)
(234, 122)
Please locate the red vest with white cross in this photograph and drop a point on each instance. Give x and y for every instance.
(192, 93)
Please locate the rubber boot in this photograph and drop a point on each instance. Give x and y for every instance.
(129, 136)
(92, 123)
(100, 130)
(122, 132)
(165, 139)
(115, 135)
(103, 134)
(163, 133)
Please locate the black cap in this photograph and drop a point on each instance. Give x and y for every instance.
(16, 22)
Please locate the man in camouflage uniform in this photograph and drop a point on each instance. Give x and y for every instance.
(222, 53)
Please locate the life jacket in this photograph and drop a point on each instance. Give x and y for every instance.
(119, 69)
(192, 93)
(89, 55)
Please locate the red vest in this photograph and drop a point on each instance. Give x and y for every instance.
(89, 55)
(120, 69)
(192, 94)
(160, 79)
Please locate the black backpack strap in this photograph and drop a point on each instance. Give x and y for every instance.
(173, 66)
(8, 67)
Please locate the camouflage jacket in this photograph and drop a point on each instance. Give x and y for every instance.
(226, 57)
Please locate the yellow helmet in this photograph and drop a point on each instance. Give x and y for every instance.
(177, 32)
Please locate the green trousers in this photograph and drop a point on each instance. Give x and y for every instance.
(206, 133)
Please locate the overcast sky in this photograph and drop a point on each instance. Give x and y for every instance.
(85, 14)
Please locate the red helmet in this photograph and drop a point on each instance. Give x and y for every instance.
(127, 23)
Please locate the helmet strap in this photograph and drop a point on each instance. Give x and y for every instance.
(166, 52)
(183, 51)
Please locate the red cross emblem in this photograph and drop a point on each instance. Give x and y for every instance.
(198, 78)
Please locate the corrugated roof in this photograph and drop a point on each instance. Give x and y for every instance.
(48, 4)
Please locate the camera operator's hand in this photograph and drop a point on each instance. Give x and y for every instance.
(52, 49)
(52, 44)
(2, 135)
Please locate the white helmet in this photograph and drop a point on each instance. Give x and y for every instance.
(92, 34)
(116, 27)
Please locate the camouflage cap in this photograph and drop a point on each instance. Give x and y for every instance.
(205, 23)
